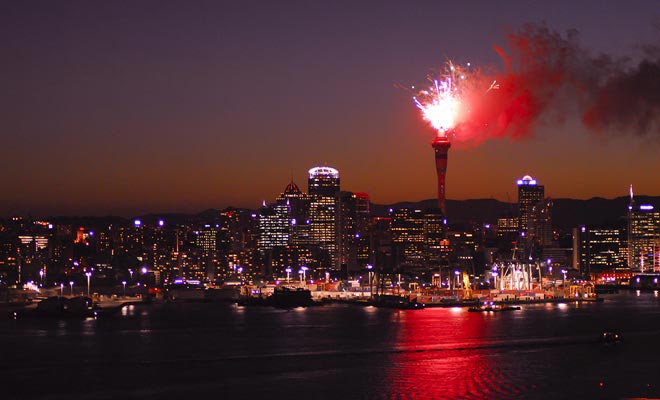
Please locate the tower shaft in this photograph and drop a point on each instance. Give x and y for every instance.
(441, 146)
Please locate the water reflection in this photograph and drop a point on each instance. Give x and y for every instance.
(441, 357)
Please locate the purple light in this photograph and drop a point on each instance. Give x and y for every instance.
(137, 222)
(161, 222)
(646, 207)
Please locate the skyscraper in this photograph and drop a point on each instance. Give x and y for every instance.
(643, 238)
(353, 228)
(529, 194)
(408, 238)
(598, 250)
(323, 213)
(435, 226)
(539, 229)
(296, 200)
(274, 223)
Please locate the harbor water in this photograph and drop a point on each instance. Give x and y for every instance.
(217, 350)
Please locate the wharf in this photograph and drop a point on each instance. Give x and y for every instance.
(465, 303)
(103, 305)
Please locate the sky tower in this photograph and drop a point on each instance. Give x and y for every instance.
(440, 106)
(441, 146)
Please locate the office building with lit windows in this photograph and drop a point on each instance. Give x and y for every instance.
(323, 214)
(599, 250)
(353, 229)
(643, 238)
(529, 194)
(274, 223)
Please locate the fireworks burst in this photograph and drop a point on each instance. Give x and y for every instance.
(442, 104)
(544, 71)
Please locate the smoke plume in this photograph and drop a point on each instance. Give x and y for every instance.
(544, 71)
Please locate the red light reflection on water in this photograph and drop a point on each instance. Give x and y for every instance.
(446, 353)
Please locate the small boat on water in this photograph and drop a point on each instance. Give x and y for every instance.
(493, 307)
(610, 337)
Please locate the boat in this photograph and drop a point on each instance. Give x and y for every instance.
(61, 307)
(288, 298)
(398, 302)
(493, 307)
(282, 297)
(610, 337)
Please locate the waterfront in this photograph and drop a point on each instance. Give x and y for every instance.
(196, 349)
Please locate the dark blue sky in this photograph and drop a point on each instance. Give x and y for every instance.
(125, 107)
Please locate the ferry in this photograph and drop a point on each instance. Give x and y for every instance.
(493, 307)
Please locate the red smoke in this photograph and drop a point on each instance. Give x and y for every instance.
(544, 71)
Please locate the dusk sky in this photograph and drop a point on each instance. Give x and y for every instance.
(118, 107)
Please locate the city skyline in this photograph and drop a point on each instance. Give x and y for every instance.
(116, 109)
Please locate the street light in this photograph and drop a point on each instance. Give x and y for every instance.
(41, 275)
(457, 273)
(304, 270)
(130, 271)
(89, 275)
(288, 274)
(71, 284)
(61, 290)
(371, 282)
(124, 283)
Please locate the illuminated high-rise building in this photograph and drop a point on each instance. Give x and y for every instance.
(274, 223)
(323, 213)
(419, 237)
(353, 228)
(507, 227)
(529, 194)
(206, 238)
(598, 250)
(408, 237)
(297, 200)
(539, 229)
(643, 238)
(435, 231)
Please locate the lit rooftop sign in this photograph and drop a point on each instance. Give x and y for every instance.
(323, 171)
(526, 180)
(646, 207)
